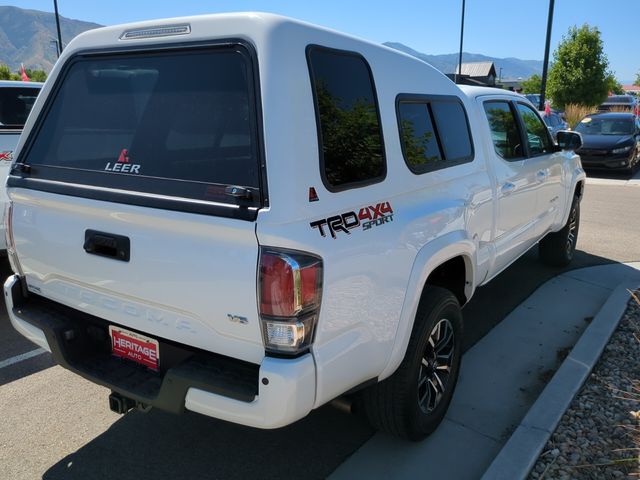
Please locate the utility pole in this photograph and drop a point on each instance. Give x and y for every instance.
(461, 37)
(543, 85)
(55, 6)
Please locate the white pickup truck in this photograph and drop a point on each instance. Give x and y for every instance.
(16, 100)
(248, 216)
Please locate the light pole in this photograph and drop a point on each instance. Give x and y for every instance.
(461, 37)
(55, 6)
(500, 76)
(543, 85)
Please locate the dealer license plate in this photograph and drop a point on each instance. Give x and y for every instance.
(133, 346)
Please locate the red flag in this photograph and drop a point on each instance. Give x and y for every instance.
(23, 73)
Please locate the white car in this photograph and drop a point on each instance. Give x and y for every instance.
(300, 220)
(16, 100)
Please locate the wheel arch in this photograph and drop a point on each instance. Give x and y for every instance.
(439, 263)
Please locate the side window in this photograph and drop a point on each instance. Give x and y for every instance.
(434, 133)
(349, 135)
(537, 133)
(453, 130)
(504, 130)
(419, 142)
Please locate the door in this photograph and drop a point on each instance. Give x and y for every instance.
(546, 162)
(516, 183)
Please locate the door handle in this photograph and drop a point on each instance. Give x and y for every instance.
(507, 188)
(107, 245)
(541, 175)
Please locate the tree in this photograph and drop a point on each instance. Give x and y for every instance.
(6, 74)
(533, 84)
(36, 75)
(614, 85)
(637, 82)
(580, 69)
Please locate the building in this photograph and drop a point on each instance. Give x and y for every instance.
(479, 73)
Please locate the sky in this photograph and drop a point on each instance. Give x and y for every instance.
(498, 28)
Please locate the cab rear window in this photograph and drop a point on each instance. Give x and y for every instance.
(175, 123)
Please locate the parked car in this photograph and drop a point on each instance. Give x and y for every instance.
(16, 100)
(610, 141)
(534, 98)
(620, 103)
(554, 123)
(301, 220)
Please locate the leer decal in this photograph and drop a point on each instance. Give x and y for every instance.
(123, 164)
(366, 218)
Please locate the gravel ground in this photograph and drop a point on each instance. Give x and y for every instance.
(599, 435)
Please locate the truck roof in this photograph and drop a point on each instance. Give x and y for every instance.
(257, 26)
(474, 92)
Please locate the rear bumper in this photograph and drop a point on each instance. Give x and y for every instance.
(274, 394)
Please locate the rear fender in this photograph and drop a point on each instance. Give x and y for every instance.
(431, 256)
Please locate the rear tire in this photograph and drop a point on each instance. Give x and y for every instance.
(557, 248)
(412, 402)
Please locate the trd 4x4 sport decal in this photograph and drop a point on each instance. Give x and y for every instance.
(366, 218)
(123, 164)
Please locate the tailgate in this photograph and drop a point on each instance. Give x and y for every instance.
(188, 279)
(131, 152)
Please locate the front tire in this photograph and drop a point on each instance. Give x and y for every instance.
(557, 248)
(412, 402)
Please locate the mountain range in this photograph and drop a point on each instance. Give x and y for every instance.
(28, 36)
(448, 63)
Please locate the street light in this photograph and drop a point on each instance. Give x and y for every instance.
(461, 37)
(55, 6)
(543, 83)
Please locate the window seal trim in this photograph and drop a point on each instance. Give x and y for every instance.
(135, 199)
(141, 199)
(516, 117)
(427, 100)
(325, 181)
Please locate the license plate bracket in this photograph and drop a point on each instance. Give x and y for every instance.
(135, 347)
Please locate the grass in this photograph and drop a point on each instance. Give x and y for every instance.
(574, 113)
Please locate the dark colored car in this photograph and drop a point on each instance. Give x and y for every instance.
(610, 140)
(620, 103)
(554, 123)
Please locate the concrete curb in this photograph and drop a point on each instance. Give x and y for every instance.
(519, 454)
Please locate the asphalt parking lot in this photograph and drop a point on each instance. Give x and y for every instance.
(56, 425)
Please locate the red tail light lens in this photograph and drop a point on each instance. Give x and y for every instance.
(290, 290)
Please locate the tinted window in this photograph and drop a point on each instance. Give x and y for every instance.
(419, 142)
(605, 126)
(451, 123)
(15, 105)
(137, 121)
(504, 130)
(536, 130)
(347, 111)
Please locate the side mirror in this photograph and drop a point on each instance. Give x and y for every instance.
(569, 140)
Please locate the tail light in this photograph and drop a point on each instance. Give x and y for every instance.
(290, 291)
(11, 244)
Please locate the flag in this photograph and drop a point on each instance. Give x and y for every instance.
(23, 73)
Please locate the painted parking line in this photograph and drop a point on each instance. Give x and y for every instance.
(22, 357)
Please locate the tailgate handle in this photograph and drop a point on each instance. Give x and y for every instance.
(106, 245)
